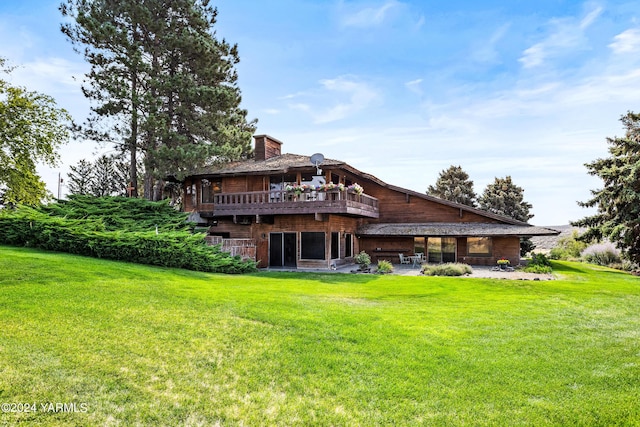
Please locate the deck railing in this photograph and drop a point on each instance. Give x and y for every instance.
(245, 248)
(282, 201)
(259, 197)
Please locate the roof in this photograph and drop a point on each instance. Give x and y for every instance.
(289, 162)
(468, 229)
(277, 164)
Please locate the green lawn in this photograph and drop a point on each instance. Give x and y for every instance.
(140, 345)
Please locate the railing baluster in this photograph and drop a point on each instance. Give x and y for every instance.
(368, 203)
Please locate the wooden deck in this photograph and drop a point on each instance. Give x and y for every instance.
(288, 203)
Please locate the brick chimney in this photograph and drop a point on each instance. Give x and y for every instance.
(266, 147)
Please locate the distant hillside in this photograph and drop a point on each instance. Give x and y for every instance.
(546, 243)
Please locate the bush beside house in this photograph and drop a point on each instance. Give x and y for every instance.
(76, 226)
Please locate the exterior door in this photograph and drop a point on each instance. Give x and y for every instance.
(441, 249)
(282, 250)
(335, 245)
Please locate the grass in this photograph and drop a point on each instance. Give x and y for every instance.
(141, 345)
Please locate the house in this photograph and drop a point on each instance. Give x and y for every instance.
(305, 212)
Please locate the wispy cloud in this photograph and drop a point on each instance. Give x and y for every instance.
(368, 16)
(487, 52)
(565, 34)
(359, 96)
(414, 86)
(626, 42)
(336, 99)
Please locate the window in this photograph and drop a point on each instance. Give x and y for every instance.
(309, 179)
(418, 245)
(279, 182)
(209, 188)
(312, 245)
(441, 249)
(348, 245)
(479, 246)
(335, 245)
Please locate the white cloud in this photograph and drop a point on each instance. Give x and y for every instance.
(486, 50)
(566, 34)
(626, 42)
(360, 96)
(590, 18)
(368, 16)
(337, 99)
(414, 86)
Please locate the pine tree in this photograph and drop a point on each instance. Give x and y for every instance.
(104, 182)
(158, 67)
(503, 197)
(110, 34)
(195, 81)
(80, 178)
(453, 184)
(618, 202)
(105, 176)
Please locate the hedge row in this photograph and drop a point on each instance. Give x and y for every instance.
(33, 228)
(121, 213)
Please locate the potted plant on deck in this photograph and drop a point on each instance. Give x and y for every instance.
(355, 189)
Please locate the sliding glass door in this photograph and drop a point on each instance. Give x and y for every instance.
(441, 249)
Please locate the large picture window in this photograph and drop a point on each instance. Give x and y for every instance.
(479, 246)
(312, 245)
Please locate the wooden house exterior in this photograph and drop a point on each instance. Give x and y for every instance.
(288, 208)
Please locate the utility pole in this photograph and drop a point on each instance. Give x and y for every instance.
(59, 185)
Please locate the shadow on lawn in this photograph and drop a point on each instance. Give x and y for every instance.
(329, 278)
(587, 269)
(561, 267)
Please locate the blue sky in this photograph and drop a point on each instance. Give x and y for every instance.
(404, 89)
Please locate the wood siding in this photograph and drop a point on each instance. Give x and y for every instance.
(394, 206)
(259, 232)
(399, 207)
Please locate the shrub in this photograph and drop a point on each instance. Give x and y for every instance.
(568, 248)
(538, 269)
(363, 259)
(173, 247)
(538, 263)
(539, 260)
(625, 265)
(601, 254)
(447, 269)
(384, 267)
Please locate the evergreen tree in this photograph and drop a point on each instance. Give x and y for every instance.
(157, 66)
(105, 176)
(111, 34)
(503, 197)
(453, 184)
(80, 178)
(32, 128)
(618, 202)
(104, 182)
(197, 108)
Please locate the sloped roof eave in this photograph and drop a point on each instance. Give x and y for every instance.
(288, 162)
(454, 230)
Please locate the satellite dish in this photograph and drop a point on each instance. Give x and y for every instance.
(317, 160)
